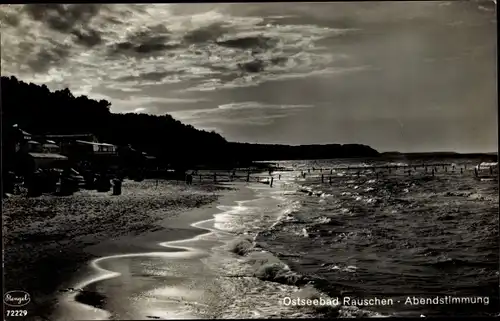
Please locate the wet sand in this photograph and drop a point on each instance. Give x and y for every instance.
(154, 275)
(49, 240)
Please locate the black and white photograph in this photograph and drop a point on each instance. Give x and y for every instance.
(249, 160)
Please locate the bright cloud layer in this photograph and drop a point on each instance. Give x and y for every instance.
(245, 113)
(127, 47)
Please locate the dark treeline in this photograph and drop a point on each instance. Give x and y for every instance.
(38, 111)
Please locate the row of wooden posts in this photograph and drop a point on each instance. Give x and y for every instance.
(232, 177)
(433, 171)
(387, 167)
(432, 168)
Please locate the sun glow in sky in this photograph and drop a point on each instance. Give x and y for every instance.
(407, 76)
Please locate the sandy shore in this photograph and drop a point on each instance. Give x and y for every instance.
(49, 239)
(128, 268)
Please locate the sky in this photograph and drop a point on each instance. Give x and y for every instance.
(398, 76)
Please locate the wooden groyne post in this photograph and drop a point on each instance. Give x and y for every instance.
(330, 180)
(461, 170)
(475, 172)
(322, 178)
(271, 184)
(248, 177)
(215, 177)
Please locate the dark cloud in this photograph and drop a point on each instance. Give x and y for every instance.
(205, 34)
(153, 40)
(62, 17)
(153, 76)
(259, 65)
(255, 66)
(151, 47)
(48, 57)
(259, 42)
(10, 19)
(280, 61)
(72, 19)
(154, 46)
(88, 38)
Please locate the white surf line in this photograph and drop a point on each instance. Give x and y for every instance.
(187, 252)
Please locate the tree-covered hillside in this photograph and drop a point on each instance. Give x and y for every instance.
(37, 110)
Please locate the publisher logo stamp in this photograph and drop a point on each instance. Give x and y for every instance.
(16, 298)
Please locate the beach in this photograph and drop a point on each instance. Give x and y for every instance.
(48, 240)
(219, 272)
(249, 250)
(215, 272)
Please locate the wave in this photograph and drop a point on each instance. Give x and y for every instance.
(241, 246)
(446, 263)
(255, 259)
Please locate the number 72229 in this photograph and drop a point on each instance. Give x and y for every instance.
(17, 313)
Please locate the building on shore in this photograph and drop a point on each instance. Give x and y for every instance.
(81, 151)
(96, 148)
(31, 162)
(25, 153)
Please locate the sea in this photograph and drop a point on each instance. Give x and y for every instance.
(332, 238)
(399, 236)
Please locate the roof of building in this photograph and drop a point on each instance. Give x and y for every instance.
(69, 136)
(48, 156)
(50, 145)
(96, 144)
(486, 165)
(16, 127)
